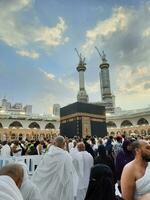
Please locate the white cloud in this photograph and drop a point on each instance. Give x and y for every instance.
(125, 38)
(30, 54)
(11, 30)
(15, 33)
(146, 32)
(52, 36)
(49, 76)
(93, 88)
(133, 81)
(133, 87)
(104, 30)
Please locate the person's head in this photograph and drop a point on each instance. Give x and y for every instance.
(70, 140)
(101, 184)
(100, 141)
(59, 142)
(4, 142)
(141, 148)
(93, 141)
(15, 171)
(102, 151)
(74, 143)
(119, 139)
(81, 146)
(127, 146)
(111, 137)
(16, 142)
(25, 171)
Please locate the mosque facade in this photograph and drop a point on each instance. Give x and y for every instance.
(129, 122)
(19, 122)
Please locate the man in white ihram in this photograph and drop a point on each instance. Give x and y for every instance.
(54, 175)
(28, 189)
(77, 160)
(11, 177)
(135, 179)
(5, 150)
(84, 179)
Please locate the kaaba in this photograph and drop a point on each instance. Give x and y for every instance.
(83, 119)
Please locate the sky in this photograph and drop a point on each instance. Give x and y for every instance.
(38, 61)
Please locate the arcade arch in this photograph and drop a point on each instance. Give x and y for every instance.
(126, 123)
(15, 124)
(111, 124)
(142, 121)
(49, 126)
(34, 125)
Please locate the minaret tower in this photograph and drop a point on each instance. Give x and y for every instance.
(82, 96)
(106, 94)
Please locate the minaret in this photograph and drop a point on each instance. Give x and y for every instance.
(82, 96)
(106, 94)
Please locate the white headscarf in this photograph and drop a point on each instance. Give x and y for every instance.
(8, 189)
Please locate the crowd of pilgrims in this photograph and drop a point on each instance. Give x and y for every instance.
(71, 169)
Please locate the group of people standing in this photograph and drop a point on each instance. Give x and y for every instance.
(84, 169)
(20, 148)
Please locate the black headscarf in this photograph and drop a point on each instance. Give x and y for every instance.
(101, 185)
(126, 143)
(102, 151)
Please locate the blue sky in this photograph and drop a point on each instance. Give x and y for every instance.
(38, 61)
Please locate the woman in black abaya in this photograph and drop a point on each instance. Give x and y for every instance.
(101, 185)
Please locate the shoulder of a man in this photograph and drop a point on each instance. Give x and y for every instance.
(130, 168)
(129, 174)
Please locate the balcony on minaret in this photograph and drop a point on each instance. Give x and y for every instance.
(81, 66)
(104, 65)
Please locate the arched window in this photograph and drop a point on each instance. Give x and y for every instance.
(34, 125)
(111, 124)
(126, 123)
(15, 124)
(49, 126)
(142, 121)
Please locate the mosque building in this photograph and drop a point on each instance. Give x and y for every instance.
(17, 121)
(118, 121)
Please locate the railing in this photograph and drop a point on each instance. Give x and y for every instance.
(31, 161)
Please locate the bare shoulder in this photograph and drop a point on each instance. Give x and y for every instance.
(128, 181)
(130, 166)
(129, 171)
